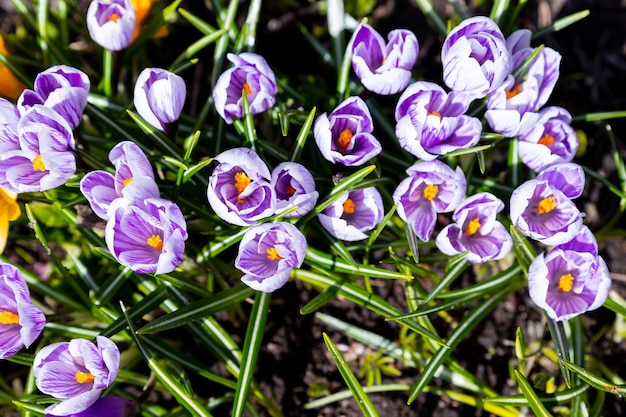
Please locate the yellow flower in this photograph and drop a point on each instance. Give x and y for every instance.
(9, 210)
(10, 86)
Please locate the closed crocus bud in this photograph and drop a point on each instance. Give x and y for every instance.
(111, 23)
(159, 98)
(295, 187)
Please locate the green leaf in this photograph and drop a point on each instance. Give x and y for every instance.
(524, 251)
(594, 380)
(498, 9)
(561, 23)
(548, 400)
(320, 300)
(561, 346)
(158, 137)
(452, 273)
(531, 396)
(298, 147)
(332, 263)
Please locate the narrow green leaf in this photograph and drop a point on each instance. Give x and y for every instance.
(361, 398)
(298, 147)
(594, 380)
(595, 117)
(197, 22)
(534, 402)
(616, 303)
(158, 137)
(487, 286)
(320, 300)
(220, 244)
(561, 346)
(450, 276)
(110, 287)
(548, 400)
(520, 349)
(523, 249)
(194, 169)
(498, 9)
(429, 11)
(332, 263)
(561, 23)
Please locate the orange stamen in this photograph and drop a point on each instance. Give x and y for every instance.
(84, 377)
(38, 164)
(546, 205)
(114, 18)
(272, 254)
(247, 89)
(6, 317)
(348, 206)
(155, 242)
(546, 140)
(434, 113)
(430, 192)
(290, 190)
(127, 181)
(344, 139)
(515, 91)
(566, 283)
(472, 227)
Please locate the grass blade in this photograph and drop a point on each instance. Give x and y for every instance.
(529, 393)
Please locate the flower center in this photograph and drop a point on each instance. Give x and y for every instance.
(430, 192)
(155, 242)
(517, 88)
(348, 206)
(566, 283)
(38, 164)
(247, 89)
(290, 190)
(114, 17)
(84, 377)
(472, 227)
(272, 254)
(546, 205)
(434, 113)
(6, 317)
(127, 181)
(241, 182)
(344, 139)
(546, 140)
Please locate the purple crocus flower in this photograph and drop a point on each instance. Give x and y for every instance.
(76, 372)
(384, 68)
(9, 117)
(546, 138)
(239, 188)
(250, 75)
(62, 88)
(111, 23)
(345, 135)
(106, 406)
(159, 98)
(475, 57)
(20, 321)
(476, 230)
(431, 122)
(44, 159)
(508, 105)
(542, 208)
(147, 236)
(432, 187)
(353, 213)
(294, 187)
(267, 254)
(133, 180)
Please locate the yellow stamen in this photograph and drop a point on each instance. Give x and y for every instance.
(38, 164)
(344, 139)
(546, 140)
(6, 317)
(290, 190)
(472, 227)
(155, 242)
(114, 18)
(566, 283)
(247, 89)
(546, 205)
(515, 91)
(434, 113)
(430, 192)
(84, 377)
(348, 206)
(272, 254)
(127, 181)
(241, 182)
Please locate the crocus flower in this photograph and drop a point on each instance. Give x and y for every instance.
(106, 406)
(295, 187)
(20, 321)
(159, 98)
(546, 138)
(267, 254)
(476, 230)
(111, 23)
(142, 8)
(147, 236)
(432, 187)
(475, 57)
(76, 372)
(45, 159)
(384, 68)
(9, 117)
(345, 135)
(431, 122)
(239, 188)
(250, 75)
(62, 88)
(508, 105)
(9, 211)
(10, 86)
(542, 208)
(353, 213)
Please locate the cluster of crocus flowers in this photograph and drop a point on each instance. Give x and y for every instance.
(9, 211)
(345, 135)
(250, 75)
(111, 23)
(76, 372)
(21, 322)
(10, 86)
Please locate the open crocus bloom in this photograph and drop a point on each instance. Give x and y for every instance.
(111, 23)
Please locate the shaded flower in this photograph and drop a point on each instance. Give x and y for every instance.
(432, 187)
(542, 208)
(9, 211)
(62, 88)
(106, 406)
(250, 75)
(111, 23)
(384, 68)
(345, 135)
(44, 159)
(20, 321)
(239, 188)
(546, 138)
(294, 187)
(9, 117)
(267, 254)
(10, 85)
(159, 98)
(353, 213)
(76, 372)
(431, 122)
(475, 57)
(142, 8)
(147, 236)
(476, 230)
